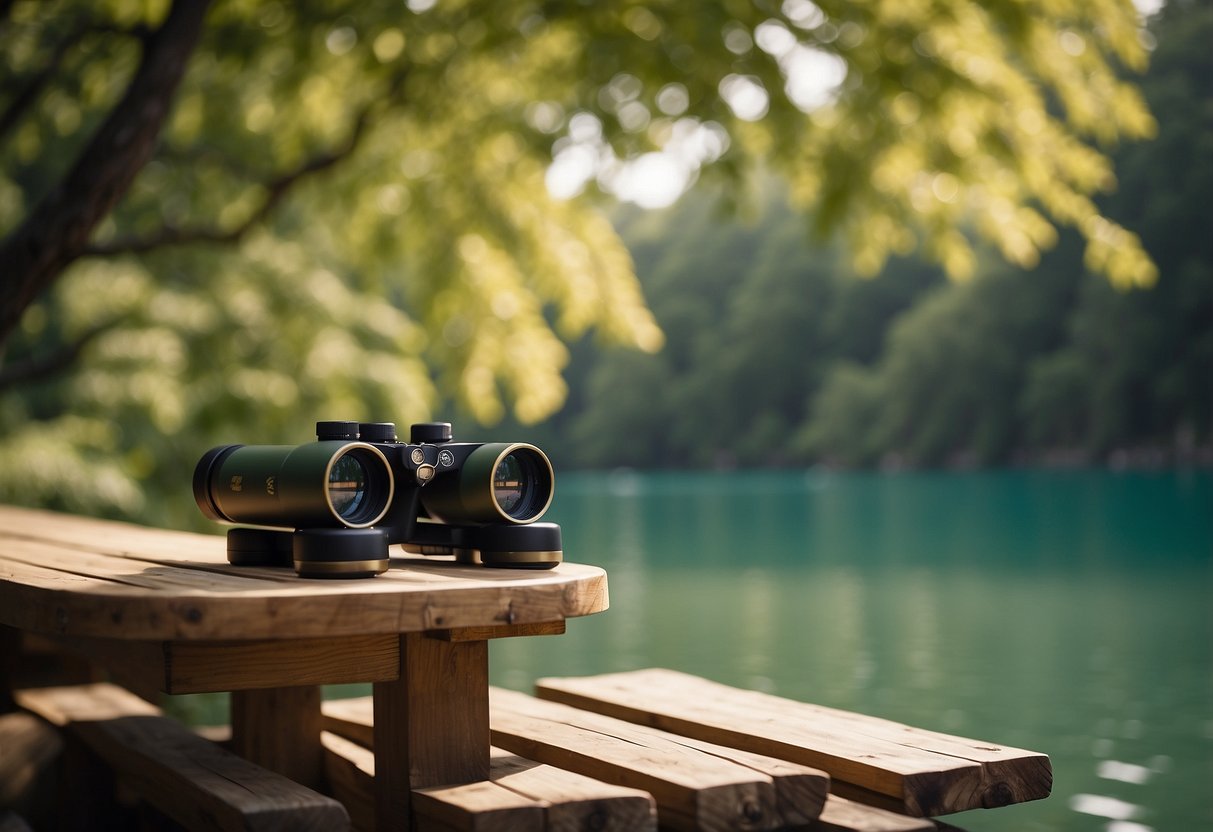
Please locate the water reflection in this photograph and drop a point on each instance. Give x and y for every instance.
(1063, 612)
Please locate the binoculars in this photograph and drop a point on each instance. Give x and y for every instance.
(332, 507)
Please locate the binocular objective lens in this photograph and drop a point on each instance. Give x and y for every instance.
(510, 484)
(347, 486)
(522, 484)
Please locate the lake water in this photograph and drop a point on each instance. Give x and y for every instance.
(1062, 612)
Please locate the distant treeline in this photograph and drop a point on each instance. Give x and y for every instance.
(777, 355)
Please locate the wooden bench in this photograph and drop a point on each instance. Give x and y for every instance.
(188, 778)
(731, 759)
(876, 761)
(520, 794)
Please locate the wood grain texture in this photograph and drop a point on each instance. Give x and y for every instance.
(573, 802)
(190, 779)
(842, 815)
(349, 769)
(431, 726)
(520, 792)
(68, 575)
(279, 729)
(695, 788)
(214, 666)
(923, 772)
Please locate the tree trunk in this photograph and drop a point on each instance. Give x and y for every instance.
(57, 231)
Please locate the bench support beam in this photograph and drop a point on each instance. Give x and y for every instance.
(279, 729)
(431, 724)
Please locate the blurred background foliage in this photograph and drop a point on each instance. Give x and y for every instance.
(403, 211)
(778, 355)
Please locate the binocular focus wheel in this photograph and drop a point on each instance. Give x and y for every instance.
(340, 553)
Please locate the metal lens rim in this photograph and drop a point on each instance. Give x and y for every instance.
(375, 477)
(533, 454)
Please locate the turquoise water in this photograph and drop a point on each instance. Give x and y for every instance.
(1063, 612)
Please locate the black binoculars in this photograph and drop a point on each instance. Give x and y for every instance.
(332, 507)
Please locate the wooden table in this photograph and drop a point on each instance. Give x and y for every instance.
(164, 609)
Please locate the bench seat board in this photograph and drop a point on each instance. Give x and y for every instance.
(694, 788)
(924, 772)
(352, 719)
(520, 794)
(76, 576)
(190, 779)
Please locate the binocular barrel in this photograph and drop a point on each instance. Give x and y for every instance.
(321, 484)
(510, 482)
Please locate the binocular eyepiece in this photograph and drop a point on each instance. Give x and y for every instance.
(333, 506)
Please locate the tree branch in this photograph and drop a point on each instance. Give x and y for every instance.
(57, 231)
(276, 190)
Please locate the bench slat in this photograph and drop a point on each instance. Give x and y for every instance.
(352, 718)
(520, 793)
(193, 781)
(924, 772)
(694, 788)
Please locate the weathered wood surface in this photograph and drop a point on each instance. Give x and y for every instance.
(279, 729)
(519, 794)
(215, 666)
(350, 722)
(431, 726)
(188, 778)
(75, 576)
(842, 815)
(694, 788)
(873, 760)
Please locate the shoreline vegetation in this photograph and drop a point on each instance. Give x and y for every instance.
(777, 354)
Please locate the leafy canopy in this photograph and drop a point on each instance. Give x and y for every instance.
(350, 206)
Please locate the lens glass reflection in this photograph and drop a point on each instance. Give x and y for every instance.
(347, 486)
(511, 484)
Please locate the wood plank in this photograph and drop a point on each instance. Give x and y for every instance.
(693, 789)
(431, 725)
(191, 780)
(483, 806)
(573, 801)
(217, 666)
(204, 667)
(67, 575)
(801, 792)
(128, 570)
(352, 719)
(279, 729)
(470, 807)
(842, 815)
(924, 772)
(349, 769)
(566, 801)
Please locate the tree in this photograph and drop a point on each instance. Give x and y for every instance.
(241, 213)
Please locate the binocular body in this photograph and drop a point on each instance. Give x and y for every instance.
(332, 507)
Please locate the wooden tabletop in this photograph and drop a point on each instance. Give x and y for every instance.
(66, 575)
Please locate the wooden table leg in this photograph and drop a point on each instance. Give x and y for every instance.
(432, 724)
(279, 729)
